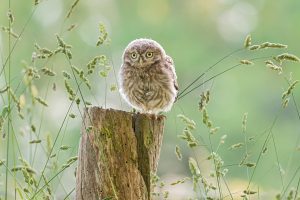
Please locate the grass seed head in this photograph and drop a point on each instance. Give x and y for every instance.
(250, 164)
(266, 45)
(286, 57)
(236, 146)
(35, 141)
(66, 75)
(289, 90)
(188, 122)
(4, 89)
(178, 152)
(64, 147)
(72, 8)
(254, 47)
(249, 192)
(10, 17)
(103, 36)
(274, 67)
(285, 102)
(73, 26)
(246, 62)
(48, 71)
(244, 122)
(41, 101)
(247, 41)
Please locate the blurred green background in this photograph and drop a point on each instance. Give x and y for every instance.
(196, 34)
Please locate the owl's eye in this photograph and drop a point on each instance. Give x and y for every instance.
(133, 55)
(149, 54)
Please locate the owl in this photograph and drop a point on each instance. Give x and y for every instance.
(147, 77)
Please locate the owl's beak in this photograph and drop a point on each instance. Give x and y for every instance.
(140, 61)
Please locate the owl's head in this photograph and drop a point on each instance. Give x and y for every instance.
(143, 53)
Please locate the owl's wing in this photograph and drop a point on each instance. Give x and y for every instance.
(171, 69)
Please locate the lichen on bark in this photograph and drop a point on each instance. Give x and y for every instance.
(118, 154)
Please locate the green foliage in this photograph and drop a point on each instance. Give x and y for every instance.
(22, 98)
(38, 143)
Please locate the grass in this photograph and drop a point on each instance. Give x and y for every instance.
(35, 162)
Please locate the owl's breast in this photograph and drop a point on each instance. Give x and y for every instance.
(148, 90)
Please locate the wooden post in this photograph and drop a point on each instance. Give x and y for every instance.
(118, 152)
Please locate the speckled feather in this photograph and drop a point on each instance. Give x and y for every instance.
(148, 83)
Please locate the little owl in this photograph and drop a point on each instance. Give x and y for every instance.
(148, 80)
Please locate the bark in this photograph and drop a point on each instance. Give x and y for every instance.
(118, 152)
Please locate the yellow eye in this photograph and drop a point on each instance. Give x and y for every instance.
(149, 54)
(133, 55)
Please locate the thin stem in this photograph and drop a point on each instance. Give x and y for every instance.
(246, 149)
(46, 183)
(69, 193)
(202, 193)
(9, 171)
(16, 42)
(227, 187)
(82, 98)
(296, 193)
(297, 141)
(215, 166)
(226, 70)
(208, 69)
(48, 158)
(60, 177)
(290, 182)
(41, 122)
(277, 159)
(9, 99)
(14, 156)
(298, 137)
(261, 151)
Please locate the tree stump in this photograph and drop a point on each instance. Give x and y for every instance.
(118, 152)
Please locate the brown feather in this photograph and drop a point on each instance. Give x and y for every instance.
(148, 81)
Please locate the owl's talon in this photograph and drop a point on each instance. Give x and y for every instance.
(153, 116)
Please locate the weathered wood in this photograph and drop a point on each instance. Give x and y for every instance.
(118, 152)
